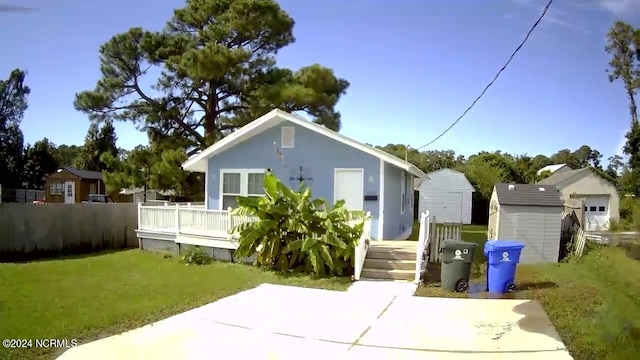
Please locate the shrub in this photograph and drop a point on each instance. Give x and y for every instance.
(194, 255)
(295, 232)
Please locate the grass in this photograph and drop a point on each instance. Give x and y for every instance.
(86, 298)
(594, 302)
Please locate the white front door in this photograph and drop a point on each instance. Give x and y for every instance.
(349, 186)
(596, 213)
(69, 192)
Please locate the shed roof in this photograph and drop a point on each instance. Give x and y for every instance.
(562, 177)
(84, 174)
(552, 168)
(528, 195)
(198, 162)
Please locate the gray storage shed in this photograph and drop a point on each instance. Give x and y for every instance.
(531, 214)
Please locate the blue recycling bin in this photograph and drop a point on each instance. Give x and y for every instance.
(502, 258)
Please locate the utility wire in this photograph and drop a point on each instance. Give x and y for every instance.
(544, 12)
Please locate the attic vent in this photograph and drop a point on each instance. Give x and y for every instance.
(541, 189)
(512, 187)
(287, 137)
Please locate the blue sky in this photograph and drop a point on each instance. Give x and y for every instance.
(414, 66)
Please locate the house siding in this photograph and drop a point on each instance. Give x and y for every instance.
(593, 185)
(396, 223)
(537, 227)
(319, 154)
(447, 194)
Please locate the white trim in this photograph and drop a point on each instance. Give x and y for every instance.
(381, 203)
(208, 241)
(276, 116)
(156, 235)
(244, 176)
(335, 173)
(206, 187)
(403, 191)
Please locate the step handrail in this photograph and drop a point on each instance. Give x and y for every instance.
(422, 245)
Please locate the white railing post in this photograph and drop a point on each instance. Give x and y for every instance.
(420, 246)
(139, 216)
(229, 222)
(177, 219)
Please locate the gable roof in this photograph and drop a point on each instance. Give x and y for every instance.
(198, 162)
(455, 172)
(528, 195)
(84, 174)
(564, 177)
(552, 168)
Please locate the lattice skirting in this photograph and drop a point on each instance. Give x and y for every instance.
(173, 247)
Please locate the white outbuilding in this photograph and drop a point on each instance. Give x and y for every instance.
(447, 194)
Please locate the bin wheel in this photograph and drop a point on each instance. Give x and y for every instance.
(462, 286)
(511, 288)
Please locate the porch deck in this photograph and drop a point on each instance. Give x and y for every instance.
(168, 227)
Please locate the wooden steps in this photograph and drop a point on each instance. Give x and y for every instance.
(390, 260)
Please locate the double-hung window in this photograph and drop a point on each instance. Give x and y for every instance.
(56, 188)
(240, 182)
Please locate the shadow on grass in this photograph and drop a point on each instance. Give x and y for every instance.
(536, 285)
(44, 256)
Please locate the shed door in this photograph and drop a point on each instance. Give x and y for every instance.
(596, 213)
(349, 186)
(69, 192)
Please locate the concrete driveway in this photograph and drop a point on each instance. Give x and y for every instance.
(283, 322)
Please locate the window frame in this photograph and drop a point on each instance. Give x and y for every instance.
(58, 188)
(283, 132)
(244, 183)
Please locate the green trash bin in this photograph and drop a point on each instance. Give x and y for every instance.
(457, 257)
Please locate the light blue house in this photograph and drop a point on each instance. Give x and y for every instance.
(333, 166)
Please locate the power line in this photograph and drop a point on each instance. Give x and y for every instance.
(494, 78)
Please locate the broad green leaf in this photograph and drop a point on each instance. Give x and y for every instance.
(292, 246)
(326, 256)
(308, 243)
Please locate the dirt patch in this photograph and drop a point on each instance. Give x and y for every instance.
(632, 250)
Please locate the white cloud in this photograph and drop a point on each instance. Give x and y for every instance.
(621, 8)
(555, 16)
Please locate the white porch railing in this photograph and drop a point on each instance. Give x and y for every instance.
(424, 239)
(189, 220)
(198, 221)
(363, 245)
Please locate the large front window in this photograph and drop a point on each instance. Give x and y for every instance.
(240, 183)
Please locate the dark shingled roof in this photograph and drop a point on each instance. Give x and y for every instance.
(558, 178)
(528, 195)
(84, 174)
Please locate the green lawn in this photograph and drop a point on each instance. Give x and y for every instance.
(90, 297)
(593, 302)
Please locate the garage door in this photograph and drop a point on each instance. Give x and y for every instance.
(596, 212)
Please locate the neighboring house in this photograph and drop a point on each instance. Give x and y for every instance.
(530, 214)
(137, 195)
(601, 200)
(555, 169)
(72, 186)
(447, 194)
(297, 151)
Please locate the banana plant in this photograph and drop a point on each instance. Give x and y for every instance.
(295, 231)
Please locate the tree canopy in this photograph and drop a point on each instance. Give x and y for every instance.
(624, 47)
(13, 103)
(217, 72)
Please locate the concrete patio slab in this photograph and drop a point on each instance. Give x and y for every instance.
(283, 322)
(463, 327)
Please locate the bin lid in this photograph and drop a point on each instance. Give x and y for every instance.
(457, 244)
(498, 245)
